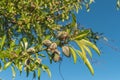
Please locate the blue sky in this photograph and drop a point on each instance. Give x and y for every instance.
(103, 17)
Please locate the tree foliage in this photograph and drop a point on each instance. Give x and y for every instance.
(34, 29)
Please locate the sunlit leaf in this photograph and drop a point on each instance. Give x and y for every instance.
(46, 68)
(63, 16)
(73, 54)
(20, 66)
(3, 41)
(13, 71)
(73, 24)
(7, 65)
(82, 34)
(86, 61)
(89, 66)
(26, 45)
(88, 50)
(48, 71)
(22, 44)
(88, 43)
(81, 46)
(39, 73)
(80, 54)
(42, 55)
(73, 18)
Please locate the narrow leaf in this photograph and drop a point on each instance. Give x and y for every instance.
(80, 44)
(89, 66)
(73, 24)
(73, 54)
(20, 66)
(39, 73)
(46, 68)
(22, 44)
(26, 45)
(13, 71)
(3, 41)
(7, 65)
(91, 45)
(48, 71)
(88, 50)
(80, 54)
(73, 17)
(86, 61)
(82, 35)
(42, 55)
(83, 51)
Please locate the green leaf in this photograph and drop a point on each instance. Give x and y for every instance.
(73, 54)
(73, 23)
(42, 55)
(7, 65)
(63, 16)
(25, 45)
(88, 50)
(80, 54)
(3, 42)
(46, 68)
(13, 71)
(39, 73)
(80, 44)
(22, 44)
(86, 61)
(91, 45)
(47, 37)
(48, 71)
(20, 66)
(39, 31)
(89, 66)
(73, 18)
(81, 35)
